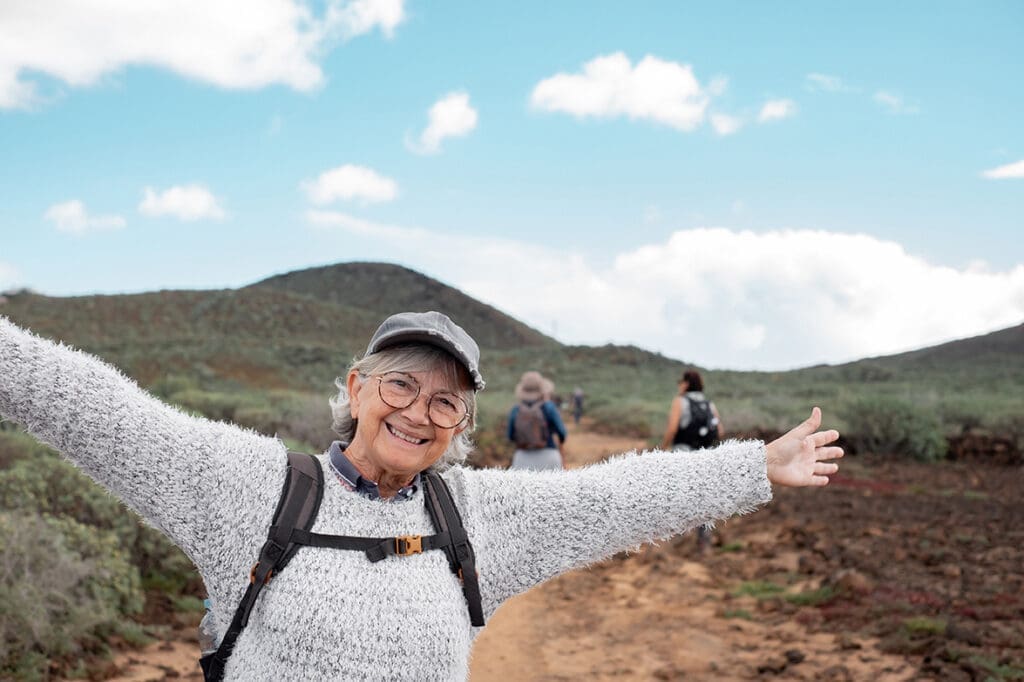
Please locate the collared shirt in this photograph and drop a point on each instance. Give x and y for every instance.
(350, 477)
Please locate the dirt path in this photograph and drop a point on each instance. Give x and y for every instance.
(663, 614)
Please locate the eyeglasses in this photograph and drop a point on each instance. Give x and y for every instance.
(445, 409)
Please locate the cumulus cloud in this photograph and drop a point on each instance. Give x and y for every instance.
(1010, 170)
(894, 103)
(610, 86)
(231, 44)
(720, 297)
(73, 218)
(723, 124)
(776, 110)
(185, 202)
(348, 183)
(450, 116)
(8, 276)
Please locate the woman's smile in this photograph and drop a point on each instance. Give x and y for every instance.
(404, 436)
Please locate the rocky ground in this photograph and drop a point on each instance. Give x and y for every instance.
(896, 571)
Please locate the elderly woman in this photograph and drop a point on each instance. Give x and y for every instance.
(404, 412)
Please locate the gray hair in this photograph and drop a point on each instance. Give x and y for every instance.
(409, 358)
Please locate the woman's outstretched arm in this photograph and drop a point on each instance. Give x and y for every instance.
(535, 525)
(177, 471)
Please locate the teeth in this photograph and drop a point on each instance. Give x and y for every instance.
(407, 438)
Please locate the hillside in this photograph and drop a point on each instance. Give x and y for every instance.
(383, 289)
(298, 330)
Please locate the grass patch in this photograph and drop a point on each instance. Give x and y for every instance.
(816, 597)
(759, 589)
(999, 672)
(731, 547)
(923, 625)
(187, 603)
(975, 495)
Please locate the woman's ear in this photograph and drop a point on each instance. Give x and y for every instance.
(354, 385)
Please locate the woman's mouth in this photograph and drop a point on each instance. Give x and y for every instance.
(404, 436)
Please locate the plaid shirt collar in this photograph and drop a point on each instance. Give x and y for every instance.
(349, 476)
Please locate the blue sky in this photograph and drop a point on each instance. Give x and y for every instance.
(748, 185)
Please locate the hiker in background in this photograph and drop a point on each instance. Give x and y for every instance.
(693, 424)
(368, 580)
(534, 424)
(577, 405)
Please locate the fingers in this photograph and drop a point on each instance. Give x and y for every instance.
(829, 453)
(825, 468)
(824, 437)
(819, 480)
(810, 425)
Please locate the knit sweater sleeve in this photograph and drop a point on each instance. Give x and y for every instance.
(181, 473)
(530, 526)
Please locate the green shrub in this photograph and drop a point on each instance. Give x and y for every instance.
(893, 426)
(62, 584)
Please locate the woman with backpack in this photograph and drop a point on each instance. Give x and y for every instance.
(382, 557)
(534, 424)
(693, 424)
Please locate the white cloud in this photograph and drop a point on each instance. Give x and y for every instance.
(719, 297)
(73, 218)
(825, 82)
(724, 124)
(894, 103)
(610, 86)
(185, 202)
(450, 116)
(776, 110)
(350, 182)
(230, 44)
(8, 276)
(1010, 170)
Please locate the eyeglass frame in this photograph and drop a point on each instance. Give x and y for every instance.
(419, 390)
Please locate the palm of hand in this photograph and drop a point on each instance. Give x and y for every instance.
(798, 457)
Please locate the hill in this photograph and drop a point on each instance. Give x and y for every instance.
(297, 331)
(383, 289)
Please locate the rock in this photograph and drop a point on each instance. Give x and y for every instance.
(774, 665)
(961, 633)
(794, 656)
(951, 571)
(850, 581)
(836, 673)
(846, 642)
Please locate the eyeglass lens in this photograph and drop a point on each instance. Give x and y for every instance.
(445, 409)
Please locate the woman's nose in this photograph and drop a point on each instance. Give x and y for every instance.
(419, 410)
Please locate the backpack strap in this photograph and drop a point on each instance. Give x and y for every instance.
(296, 510)
(461, 558)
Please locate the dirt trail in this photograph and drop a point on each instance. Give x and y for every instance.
(666, 613)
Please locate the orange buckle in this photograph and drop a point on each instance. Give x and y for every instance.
(408, 544)
(462, 580)
(252, 574)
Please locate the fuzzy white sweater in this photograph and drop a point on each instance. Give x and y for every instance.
(331, 614)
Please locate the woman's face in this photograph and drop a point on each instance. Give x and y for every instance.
(398, 442)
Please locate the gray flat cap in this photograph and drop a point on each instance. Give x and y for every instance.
(435, 329)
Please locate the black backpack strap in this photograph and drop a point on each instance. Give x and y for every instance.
(376, 549)
(296, 510)
(461, 558)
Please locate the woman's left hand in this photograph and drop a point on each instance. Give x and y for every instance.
(798, 458)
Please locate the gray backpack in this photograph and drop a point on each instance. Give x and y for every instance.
(530, 430)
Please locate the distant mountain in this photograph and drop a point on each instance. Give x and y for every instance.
(382, 289)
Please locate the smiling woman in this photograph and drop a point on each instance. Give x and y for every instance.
(393, 608)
